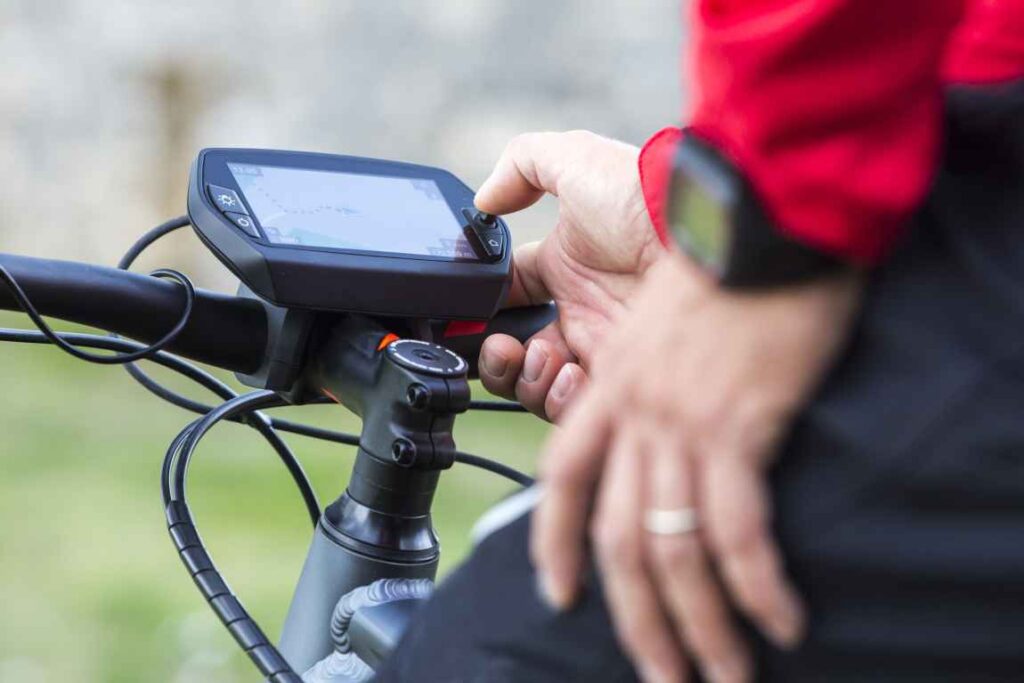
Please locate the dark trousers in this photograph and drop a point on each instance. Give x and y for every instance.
(899, 496)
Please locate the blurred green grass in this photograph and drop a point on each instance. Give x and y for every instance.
(90, 586)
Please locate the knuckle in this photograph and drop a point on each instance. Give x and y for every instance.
(581, 135)
(528, 391)
(566, 468)
(553, 407)
(519, 144)
(675, 553)
(703, 419)
(559, 472)
(532, 402)
(737, 542)
(519, 140)
(708, 646)
(615, 546)
(502, 387)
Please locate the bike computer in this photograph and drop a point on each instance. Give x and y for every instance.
(342, 233)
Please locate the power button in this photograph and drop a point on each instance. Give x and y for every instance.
(246, 223)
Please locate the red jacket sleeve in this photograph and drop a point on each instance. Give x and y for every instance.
(831, 107)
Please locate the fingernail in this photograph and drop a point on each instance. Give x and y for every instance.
(564, 383)
(718, 673)
(533, 366)
(726, 672)
(548, 592)
(788, 631)
(495, 364)
(653, 674)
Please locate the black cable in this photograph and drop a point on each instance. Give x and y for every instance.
(196, 374)
(169, 457)
(140, 245)
(114, 344)
(225, 393)
(494, 467)
(260, 423)
(478, 461)
(165, 394)
(145, 352)
(315, 432)
(498, 406)
(248, 402)
(149, 237)
(186, 403)
(185, 536)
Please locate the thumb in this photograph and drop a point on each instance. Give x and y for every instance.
(529, 167)
(528, 286)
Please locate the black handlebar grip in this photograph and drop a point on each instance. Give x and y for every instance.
(520, 323)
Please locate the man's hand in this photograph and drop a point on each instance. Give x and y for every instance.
(686, 404)
(589, 264)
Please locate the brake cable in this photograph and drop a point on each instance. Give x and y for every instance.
(192, 551)
(162, 392)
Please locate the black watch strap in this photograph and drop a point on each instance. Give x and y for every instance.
(715, 216)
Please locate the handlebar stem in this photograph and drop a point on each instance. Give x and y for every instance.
(408, 393)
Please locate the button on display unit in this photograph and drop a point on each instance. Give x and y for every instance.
(485, 233)
(226, 199)
(244, 222)
(350, 234)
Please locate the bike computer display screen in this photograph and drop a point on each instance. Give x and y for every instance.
(329, 232)
(337, 210)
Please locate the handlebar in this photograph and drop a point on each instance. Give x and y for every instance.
(226, 331)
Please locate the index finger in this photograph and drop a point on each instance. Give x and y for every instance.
(529, 167)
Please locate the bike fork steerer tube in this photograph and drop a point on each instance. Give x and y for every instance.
(407, 393)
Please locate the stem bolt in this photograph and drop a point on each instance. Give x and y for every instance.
(403, 452)
(418, 396)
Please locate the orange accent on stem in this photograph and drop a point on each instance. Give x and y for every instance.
(387, 339)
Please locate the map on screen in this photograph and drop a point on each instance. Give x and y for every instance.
(334, 210)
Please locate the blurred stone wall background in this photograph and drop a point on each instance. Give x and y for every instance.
(104, 103)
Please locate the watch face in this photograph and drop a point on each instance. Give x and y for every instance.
(699, 220)
(715, 217)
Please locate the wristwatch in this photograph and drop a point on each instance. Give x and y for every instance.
(715, 217)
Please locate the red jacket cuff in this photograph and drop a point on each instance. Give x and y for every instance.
(655, 175)
(831, 108)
